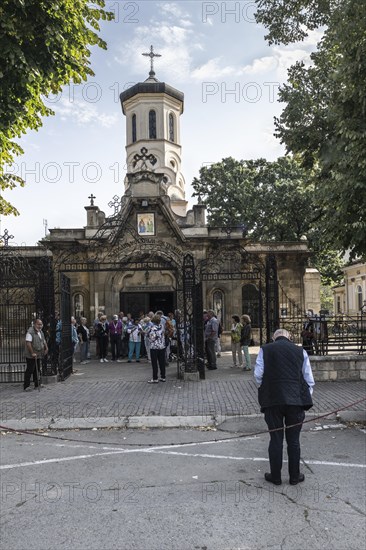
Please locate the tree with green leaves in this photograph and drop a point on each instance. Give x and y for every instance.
(324, 120)
(44, 45)
(274, 201)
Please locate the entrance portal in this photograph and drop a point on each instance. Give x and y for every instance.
(135, 302)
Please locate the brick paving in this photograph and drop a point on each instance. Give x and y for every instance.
(118, 390)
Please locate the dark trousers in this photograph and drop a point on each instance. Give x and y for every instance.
(124, 347)
(211, 353)
(103, 347)
(31, 369)
(158, 356)
(277, 417)
(115, 344)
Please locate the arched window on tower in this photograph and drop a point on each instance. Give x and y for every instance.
(134, 131)
(152, 125)
(171, 127)
(251, 304)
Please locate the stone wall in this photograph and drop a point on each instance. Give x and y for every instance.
(339, 367)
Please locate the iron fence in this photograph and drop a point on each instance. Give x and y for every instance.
(327, 335)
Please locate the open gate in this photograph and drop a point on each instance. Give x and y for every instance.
(26, 293)
(190, 322)
(66, 351)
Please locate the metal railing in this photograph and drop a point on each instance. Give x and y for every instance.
(326, 335)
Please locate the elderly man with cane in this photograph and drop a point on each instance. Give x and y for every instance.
(35, 349)
(286, 382)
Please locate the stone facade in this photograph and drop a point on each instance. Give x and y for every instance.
(350, 297)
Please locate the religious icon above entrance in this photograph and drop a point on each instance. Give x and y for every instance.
(146, 224)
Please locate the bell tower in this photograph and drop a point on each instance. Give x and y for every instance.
(153, 111)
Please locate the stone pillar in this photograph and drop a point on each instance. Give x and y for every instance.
(312, 289)
(92, 216)
(199, 211)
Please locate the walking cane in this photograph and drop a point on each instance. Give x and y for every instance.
(38, 375)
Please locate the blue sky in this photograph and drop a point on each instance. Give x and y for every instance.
(214, 52)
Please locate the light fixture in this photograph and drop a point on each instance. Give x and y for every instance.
(145, 203)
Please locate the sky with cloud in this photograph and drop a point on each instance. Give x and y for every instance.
(214, 52)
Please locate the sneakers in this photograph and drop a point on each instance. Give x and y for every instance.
(101, 361)
(268, 477)
(247, 368)
(119, 361)
(105, 360)
(28, 389)
(162, 379)
(153, 381)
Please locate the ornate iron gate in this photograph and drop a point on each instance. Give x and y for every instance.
(66, 349)
(26, 293)
(272, 303)
(190, 322)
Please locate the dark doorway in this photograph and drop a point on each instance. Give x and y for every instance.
(137, 302)
(163, 301)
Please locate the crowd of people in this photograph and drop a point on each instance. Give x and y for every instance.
(150, 335)
(241, 338)
(282, 369)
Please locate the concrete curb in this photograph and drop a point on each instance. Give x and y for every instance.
(225, 423)
(131, 422)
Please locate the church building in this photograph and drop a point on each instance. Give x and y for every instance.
(133, 260)
(154, 252)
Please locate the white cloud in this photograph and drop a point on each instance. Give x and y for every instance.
(174, 43)
(83, 113)
(172, 8)
(212, 69)
(174, 12)
(313, 38)
(261, 65)
(280, 61)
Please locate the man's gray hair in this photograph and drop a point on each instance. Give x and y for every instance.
(281, 332)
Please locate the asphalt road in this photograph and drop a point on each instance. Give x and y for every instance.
(179, 489)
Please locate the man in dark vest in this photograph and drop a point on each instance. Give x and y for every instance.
(286, 382)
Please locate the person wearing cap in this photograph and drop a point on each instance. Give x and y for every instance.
(286, 382)
(115, 333)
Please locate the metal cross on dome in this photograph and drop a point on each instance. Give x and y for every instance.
(152, 54)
